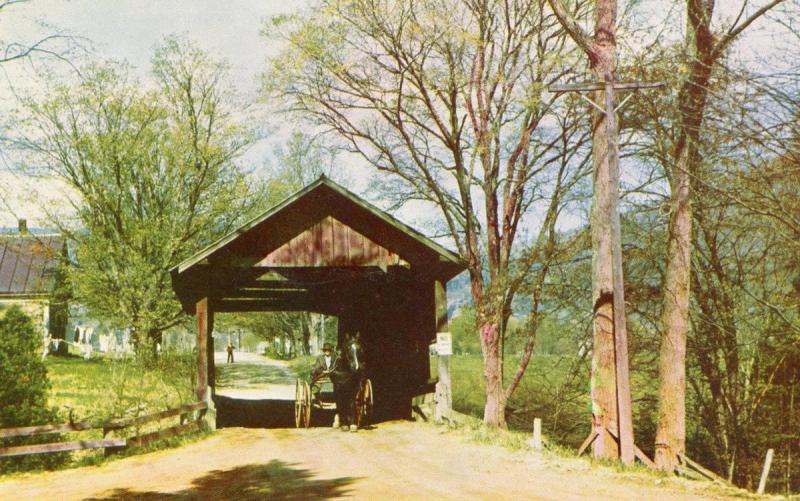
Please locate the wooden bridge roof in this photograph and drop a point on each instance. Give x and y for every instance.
(322, 229)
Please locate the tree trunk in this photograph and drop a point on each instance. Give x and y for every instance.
(305, 322)
(671, 429)
(494, 412)
(692, 98)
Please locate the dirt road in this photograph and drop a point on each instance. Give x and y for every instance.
(399, 460)
(253, 377)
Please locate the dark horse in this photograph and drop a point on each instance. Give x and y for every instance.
(348, 380)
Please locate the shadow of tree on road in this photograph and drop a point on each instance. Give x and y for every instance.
(274, 480)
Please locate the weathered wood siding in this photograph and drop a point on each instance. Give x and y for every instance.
(330, 242)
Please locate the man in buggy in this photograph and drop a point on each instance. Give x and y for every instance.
(339, 369)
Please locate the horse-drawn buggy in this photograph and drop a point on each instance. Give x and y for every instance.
(317, 392)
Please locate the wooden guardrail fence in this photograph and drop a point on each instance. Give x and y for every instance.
(185, 426)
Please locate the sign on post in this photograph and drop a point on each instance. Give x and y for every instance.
(444, 396)
(444, 344)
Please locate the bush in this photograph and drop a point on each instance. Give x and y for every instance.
(301, 366)
(23, 388)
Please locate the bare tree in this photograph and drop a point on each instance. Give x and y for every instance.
(446, 99)
(50, 45)
(706, 50)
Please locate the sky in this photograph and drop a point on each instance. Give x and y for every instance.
(130, 30)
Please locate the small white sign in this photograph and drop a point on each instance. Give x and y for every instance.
(444, 343)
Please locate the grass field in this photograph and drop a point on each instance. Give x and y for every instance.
(102, 388)
(546, 391)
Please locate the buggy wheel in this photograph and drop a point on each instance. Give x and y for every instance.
(307, 404)
(298, 404)
(302, 404)
(364, 403)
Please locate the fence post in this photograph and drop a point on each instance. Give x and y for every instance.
(762, 484)
(537, 434)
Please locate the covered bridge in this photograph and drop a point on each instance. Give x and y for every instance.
(326, 250)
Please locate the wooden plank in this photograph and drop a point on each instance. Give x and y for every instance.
(172, 431)
(375, 252)
(691, 474)
(356, 247)
(316, 254)
(701, 469)
(643, 458)
(417, 410)
(326, 257)
(347, 235)
(184, 409)
(341, 244)
(586, 443)
(638, 453)
(24, 450)
(27, 431)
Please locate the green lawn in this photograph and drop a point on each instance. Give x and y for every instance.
(102, 388)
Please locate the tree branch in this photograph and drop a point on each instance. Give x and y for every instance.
(578, 34)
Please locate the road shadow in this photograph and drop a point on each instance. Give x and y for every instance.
(274, 480)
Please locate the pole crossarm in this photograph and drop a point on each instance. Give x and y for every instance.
(590, 86)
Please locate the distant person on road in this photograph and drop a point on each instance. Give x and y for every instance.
(338, 368)
(230, 353)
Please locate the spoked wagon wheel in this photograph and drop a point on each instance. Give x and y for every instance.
(302, 404)
(364, 404)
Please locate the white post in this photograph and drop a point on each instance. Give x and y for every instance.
(762, 484)
(537, 434)
(444, 395)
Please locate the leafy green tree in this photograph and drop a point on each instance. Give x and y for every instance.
(23, 381)
(153, 172)
(23, 375)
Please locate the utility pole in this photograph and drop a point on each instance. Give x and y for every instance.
(612, 422)
(624, 413)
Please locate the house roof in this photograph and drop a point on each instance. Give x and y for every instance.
(324, 184)
(28, 264)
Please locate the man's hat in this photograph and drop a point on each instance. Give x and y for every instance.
(327, 347)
